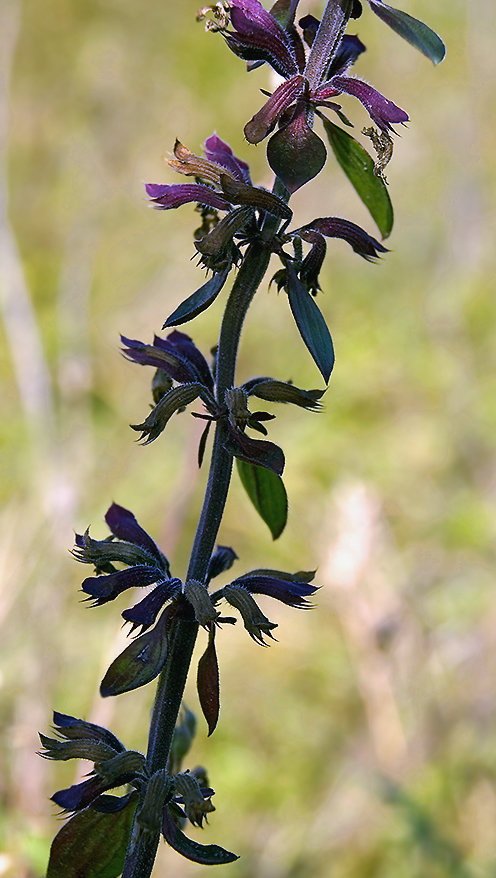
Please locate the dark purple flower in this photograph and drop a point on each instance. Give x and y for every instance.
(130, 544)
(146, 611)
(225, 182)
(177, 355)
(122, 523)
(382, 111)
(295, 153)
(336, 227)
(289, 590)
(102, 589)
(80, 795)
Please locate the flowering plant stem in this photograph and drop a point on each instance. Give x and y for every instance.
(110, 835)
(143, 844)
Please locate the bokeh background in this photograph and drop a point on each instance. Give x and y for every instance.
(363, 743)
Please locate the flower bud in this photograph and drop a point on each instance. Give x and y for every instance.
(122, 767)
(195, 805)
(158, 789)
(236, 402)
(197, 595)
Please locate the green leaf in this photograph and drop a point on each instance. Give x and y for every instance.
(92, 844)
(411, 29)
(311, 324)
(359, 168)
(267, 493)
(199, 301)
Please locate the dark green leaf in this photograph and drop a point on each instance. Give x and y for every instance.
(311, 324)
(92, 844)
(257, 451)
(296, 154)
(199, 301)
(359, 168)
(267, 493)
(411, 29)
(139, 663)
(206, 854)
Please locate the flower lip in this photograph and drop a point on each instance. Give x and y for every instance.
(167, 197)
(218, 151)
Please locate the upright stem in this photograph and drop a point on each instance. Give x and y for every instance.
(143, 845)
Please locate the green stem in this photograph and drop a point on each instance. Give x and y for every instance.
(143, 846)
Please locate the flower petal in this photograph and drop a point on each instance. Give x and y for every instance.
(105, 588)
(206, 855)
(263, 122)
(292, 593)
(122, 523)
(207, 683)
(335, 227)
(145, 612)
(183, 363)
(165, 197)
(258, 36)
(217, 150)
(383, 112)
(184, 345)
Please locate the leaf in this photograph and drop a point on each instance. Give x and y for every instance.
(296, 154)
(92, 844)
(411, 29)
(206, 854)
(311, 324)
(199, 301)
(257, 451)
(139, 663)
(267, 493)
(207, 682)
(359, 168)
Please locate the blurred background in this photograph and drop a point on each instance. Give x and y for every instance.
(363, 743)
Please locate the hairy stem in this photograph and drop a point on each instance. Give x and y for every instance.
(143, 845)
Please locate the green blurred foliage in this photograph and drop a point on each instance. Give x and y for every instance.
(362, 745)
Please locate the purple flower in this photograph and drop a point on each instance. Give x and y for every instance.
(295, 152)
(146, 565)
(224, 184)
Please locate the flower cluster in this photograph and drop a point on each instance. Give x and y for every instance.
(191, 378)
(162, 801)
(241, 224)
(220, 248)
(170, 599)
(295, 153)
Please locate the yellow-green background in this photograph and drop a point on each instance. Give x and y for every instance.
(363, 743)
